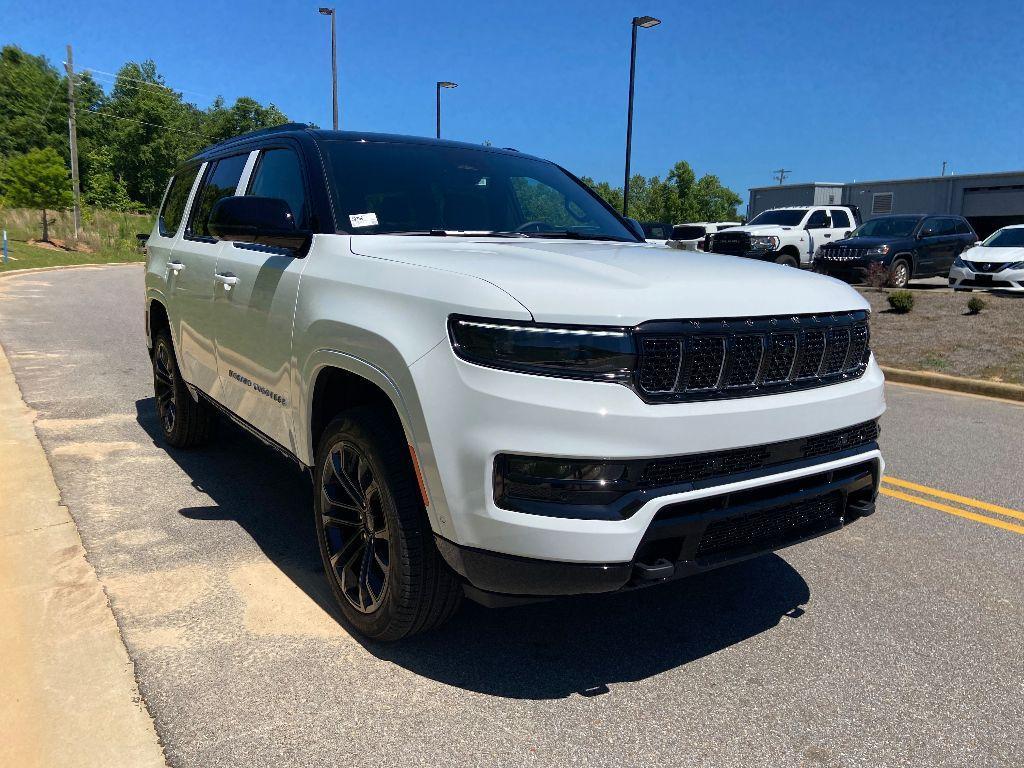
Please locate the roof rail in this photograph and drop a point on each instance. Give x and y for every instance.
(254, 134)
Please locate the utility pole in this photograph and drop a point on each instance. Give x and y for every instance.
(73, 136)
(943, 168)
(781, 174)
(334, 62)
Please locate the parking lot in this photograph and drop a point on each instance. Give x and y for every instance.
(895, 642)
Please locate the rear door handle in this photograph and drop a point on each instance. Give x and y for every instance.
(175, 266)
(227, 279)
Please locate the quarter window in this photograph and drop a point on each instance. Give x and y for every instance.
(221, 181)
(279, 175)
(840, 218)
(175, 200)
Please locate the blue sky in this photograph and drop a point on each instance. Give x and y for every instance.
(835, 91)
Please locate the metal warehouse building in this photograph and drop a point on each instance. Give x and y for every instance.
(987, 200)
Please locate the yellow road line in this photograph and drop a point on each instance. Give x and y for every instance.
(953, 510)
(966, 501)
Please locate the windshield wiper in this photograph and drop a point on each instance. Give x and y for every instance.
(569, 234)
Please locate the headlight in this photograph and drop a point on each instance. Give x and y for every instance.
(878, 250)
(1015, 265)
(764, 243)
(959, 262)
(576, 352)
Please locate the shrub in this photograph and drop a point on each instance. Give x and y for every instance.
(901, 302)
(975, 305)
(877, 275)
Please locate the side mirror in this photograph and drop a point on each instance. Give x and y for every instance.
(637, 230)
(976, 243)
(258, 220)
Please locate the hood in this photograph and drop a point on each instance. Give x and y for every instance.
(864, 242)
(599, 283)
(760, 229)
(993, 255)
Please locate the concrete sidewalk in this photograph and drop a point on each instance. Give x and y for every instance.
(68, 695)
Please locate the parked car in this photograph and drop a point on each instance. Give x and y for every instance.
(693, 237)
(997, 263)
(786, 236)
(497, 388)
(657, 232)
(908, 246)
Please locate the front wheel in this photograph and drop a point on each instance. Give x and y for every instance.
(375, 540)
(899, 273)
(787, 260)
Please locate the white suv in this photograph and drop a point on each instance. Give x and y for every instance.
(789, 236)
(498, 389)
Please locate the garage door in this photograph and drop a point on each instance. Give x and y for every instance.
(994, 201)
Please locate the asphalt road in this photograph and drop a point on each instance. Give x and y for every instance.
(895, 642)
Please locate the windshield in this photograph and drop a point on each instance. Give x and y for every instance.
(1006, 238)
(889, 226)
(782, 217)
(396, 188)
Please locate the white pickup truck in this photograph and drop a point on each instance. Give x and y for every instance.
(787, 236)
(497, 388)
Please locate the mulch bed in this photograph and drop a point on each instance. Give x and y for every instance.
(939, 335)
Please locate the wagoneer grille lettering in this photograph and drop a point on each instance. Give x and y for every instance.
(713, 359)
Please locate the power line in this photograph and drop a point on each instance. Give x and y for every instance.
(45, 114)
(141, 122)
(116, 77)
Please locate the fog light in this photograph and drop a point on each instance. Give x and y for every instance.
(530, 483)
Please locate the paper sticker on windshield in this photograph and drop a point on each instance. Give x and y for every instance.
(363, 219)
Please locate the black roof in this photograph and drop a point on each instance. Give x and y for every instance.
(318, 134)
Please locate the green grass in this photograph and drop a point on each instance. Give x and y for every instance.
(108, 237)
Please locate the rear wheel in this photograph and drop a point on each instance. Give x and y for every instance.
(184, 421)
(787, 260)
(375, 540)
(899, 273)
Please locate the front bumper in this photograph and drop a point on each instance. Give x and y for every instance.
(962, 278)
(470, 414)
(690, 537)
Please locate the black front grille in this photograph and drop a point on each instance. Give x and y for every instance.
(771, 528)
(984, 283)
(842, 253)
(986, 267)
(703, 466)
(731, 243)
(712, 359)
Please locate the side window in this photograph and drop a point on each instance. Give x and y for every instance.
(931, 226)
(963, 228)
(840, 218)
(220, 181)
(818, 220)
(278, 174)
(947, 226)
(174, 201)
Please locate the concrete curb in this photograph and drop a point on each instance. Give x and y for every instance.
(997, 389)
(30, 270)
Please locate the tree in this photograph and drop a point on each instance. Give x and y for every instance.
(103, 188)
(38, 179)
(245, 115)
(713, 202)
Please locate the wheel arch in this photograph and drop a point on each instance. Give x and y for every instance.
(338, 381)
(910, 257)
(156, 319)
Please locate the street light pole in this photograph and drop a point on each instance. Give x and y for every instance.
(334, 62)
(442, 84)
(646, 22)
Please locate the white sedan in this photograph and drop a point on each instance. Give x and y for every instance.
(997, 263)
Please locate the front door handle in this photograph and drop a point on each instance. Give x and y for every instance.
(175, 266)
(828, 234)
(227, 279)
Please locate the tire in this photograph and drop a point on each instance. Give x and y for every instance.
(787, 260)
(899, 273)
(184, 422)
(375, 540)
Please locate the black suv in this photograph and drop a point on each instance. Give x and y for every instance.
(908, 246)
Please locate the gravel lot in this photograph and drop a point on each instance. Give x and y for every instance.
(939, 335)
